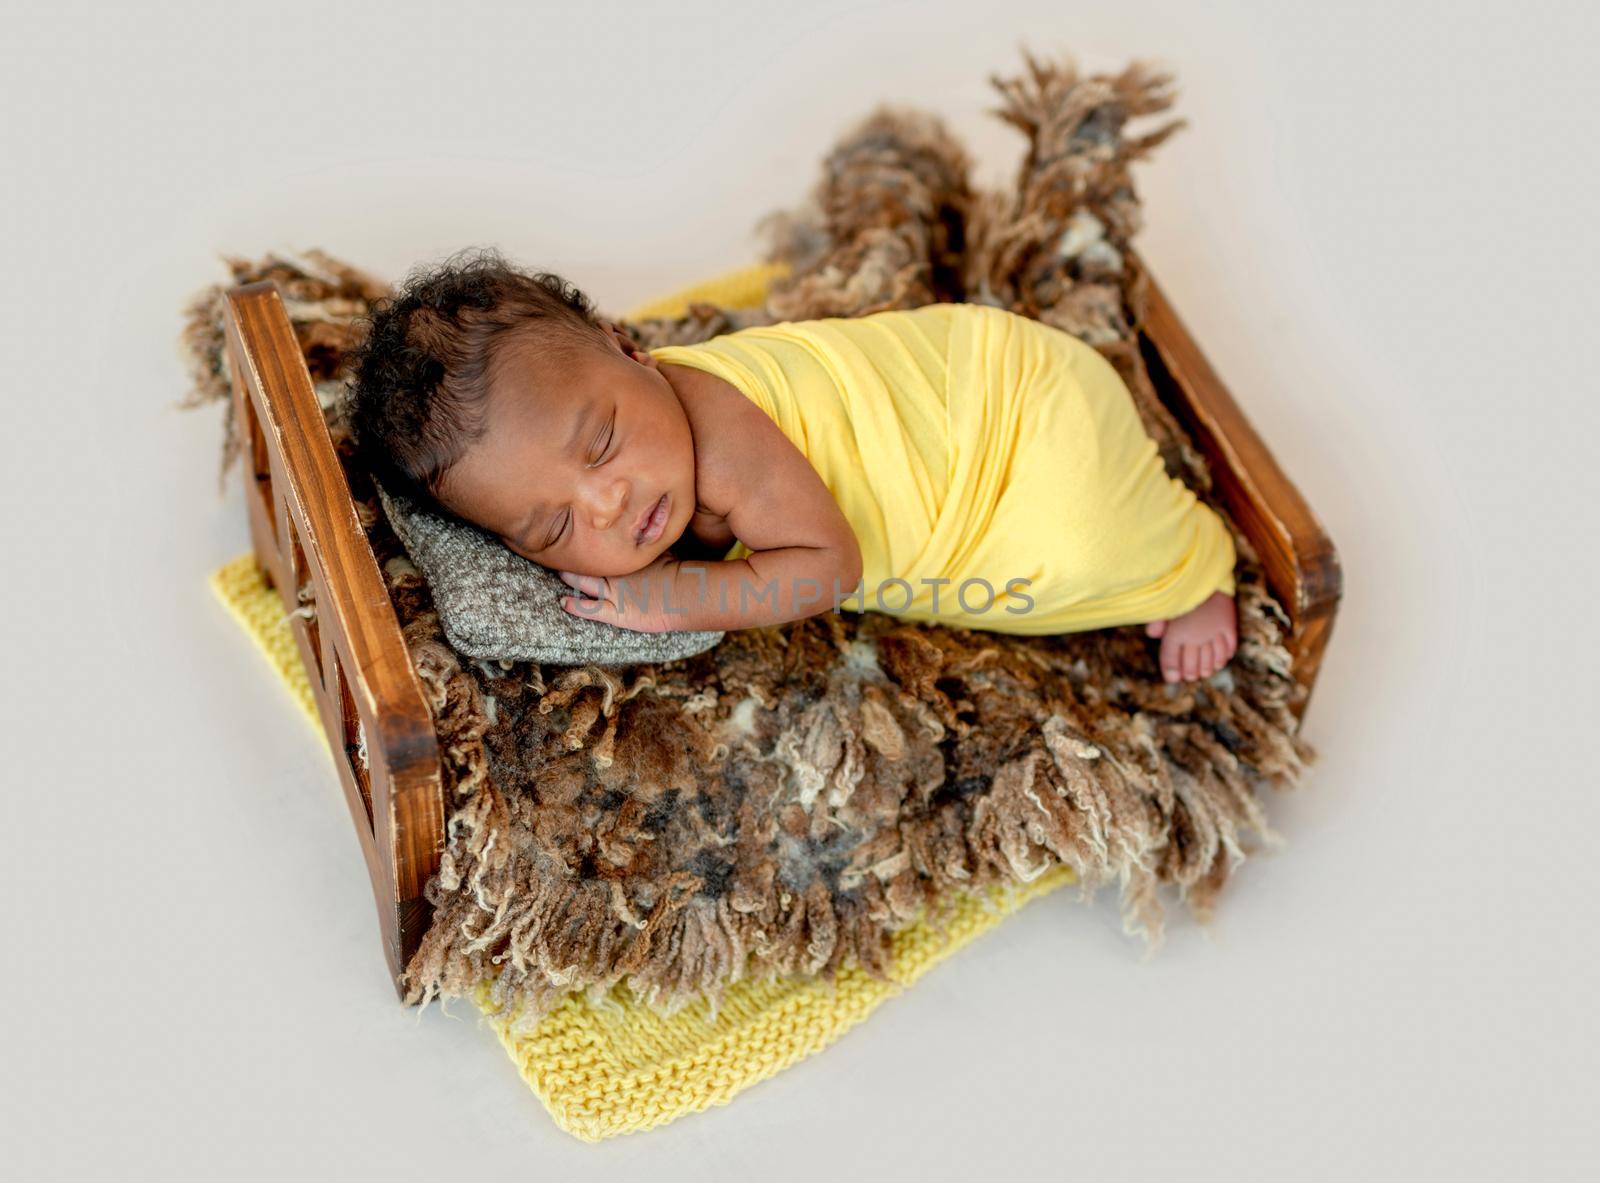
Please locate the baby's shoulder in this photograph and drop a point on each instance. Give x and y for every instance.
(708, 401)
(731, 435)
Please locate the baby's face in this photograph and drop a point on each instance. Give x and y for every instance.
(581, 446)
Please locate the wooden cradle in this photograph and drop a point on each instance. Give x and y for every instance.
(305, 534)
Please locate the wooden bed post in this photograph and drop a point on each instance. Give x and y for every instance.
(1301, 564)
(312, 548)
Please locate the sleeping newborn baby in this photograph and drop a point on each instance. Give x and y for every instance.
(955, 463)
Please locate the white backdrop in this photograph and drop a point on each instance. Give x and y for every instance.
(1379, 225)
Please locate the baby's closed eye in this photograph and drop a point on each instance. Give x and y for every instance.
(558, 528)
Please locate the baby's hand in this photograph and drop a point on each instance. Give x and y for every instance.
(637, 602)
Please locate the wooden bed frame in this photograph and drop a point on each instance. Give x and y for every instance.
(310, 545)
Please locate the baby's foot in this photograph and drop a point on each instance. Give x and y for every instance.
(1200, 642)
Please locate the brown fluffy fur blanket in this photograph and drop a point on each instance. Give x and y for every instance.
(783, 802)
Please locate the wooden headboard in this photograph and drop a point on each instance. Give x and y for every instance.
(311, 547)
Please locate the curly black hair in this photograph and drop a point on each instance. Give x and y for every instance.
(415, 400)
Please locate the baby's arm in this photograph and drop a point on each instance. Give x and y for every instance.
(804, 555)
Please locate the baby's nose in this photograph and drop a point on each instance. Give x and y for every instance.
(608, 504)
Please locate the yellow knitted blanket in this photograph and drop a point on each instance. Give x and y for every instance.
(619, 1066)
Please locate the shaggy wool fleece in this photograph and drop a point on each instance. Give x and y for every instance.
(785, 801)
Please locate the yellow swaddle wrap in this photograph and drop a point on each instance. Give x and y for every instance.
(994, 468)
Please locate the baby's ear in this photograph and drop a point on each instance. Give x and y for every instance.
(630, 347)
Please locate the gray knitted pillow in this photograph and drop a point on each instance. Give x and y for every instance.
(495, 604)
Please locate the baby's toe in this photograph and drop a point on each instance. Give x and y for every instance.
(1171, 652)
(1191, 662)
(1208, 659)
